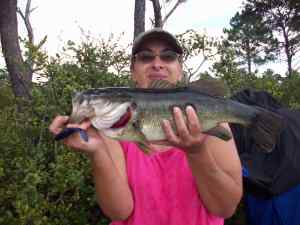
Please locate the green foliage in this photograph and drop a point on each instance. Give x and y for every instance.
(35, 58)
(41, 181)
(197, 47)
(99, 55)
(228, 69)
(6, 95)
(290, 93)
(283, 88)
(251, 39)
(282, 18)
(3, 74)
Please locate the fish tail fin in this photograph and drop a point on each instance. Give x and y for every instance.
(265, 129)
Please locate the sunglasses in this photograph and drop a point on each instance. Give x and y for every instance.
(167, 56)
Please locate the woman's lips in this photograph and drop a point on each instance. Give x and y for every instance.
(157, 76)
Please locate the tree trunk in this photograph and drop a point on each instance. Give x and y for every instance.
(157, 14)
(288, 53)
(248, 57)
(139, 17)
(290, 69)
(18, 72)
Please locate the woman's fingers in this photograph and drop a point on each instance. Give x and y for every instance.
(186, 133)
(180, 122)
(58, 124)
(170, 135)
(192, 121)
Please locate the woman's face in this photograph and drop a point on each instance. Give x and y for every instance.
(156, 61)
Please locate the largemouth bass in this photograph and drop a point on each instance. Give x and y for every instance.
(135, 114)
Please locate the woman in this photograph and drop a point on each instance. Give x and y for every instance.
(191, 178)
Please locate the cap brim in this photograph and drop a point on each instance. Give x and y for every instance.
(157, 34)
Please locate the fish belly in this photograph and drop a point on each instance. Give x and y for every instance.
(152, 129)
(150, 122)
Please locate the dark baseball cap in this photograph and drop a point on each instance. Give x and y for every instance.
(157, 34)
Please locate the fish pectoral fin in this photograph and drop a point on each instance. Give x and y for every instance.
(143, 143)
(219, 132)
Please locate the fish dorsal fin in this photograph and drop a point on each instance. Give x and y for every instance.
(210, 86)
(162, 84)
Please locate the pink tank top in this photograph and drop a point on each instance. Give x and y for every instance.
(164, 190)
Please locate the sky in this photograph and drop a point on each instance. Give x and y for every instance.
(62, 20)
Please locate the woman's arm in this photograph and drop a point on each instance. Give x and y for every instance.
(108, 164)
(214, 163)
(112, 189)
(218, 174)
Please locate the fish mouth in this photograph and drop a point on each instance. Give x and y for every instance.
(124, 119)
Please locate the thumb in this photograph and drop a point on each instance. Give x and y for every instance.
(85, 124)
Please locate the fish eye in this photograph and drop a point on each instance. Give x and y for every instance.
(136, 124)
(133, 105)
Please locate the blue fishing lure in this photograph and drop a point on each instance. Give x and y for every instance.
(66, 132)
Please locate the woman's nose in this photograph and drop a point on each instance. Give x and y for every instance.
(157, 62)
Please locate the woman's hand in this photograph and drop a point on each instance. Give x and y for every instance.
(75, 141)
(188, 136)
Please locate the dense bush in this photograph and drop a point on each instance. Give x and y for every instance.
(42, 182)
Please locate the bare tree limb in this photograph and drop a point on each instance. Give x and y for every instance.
(172, 11)
(26, 20)
(157, 13)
